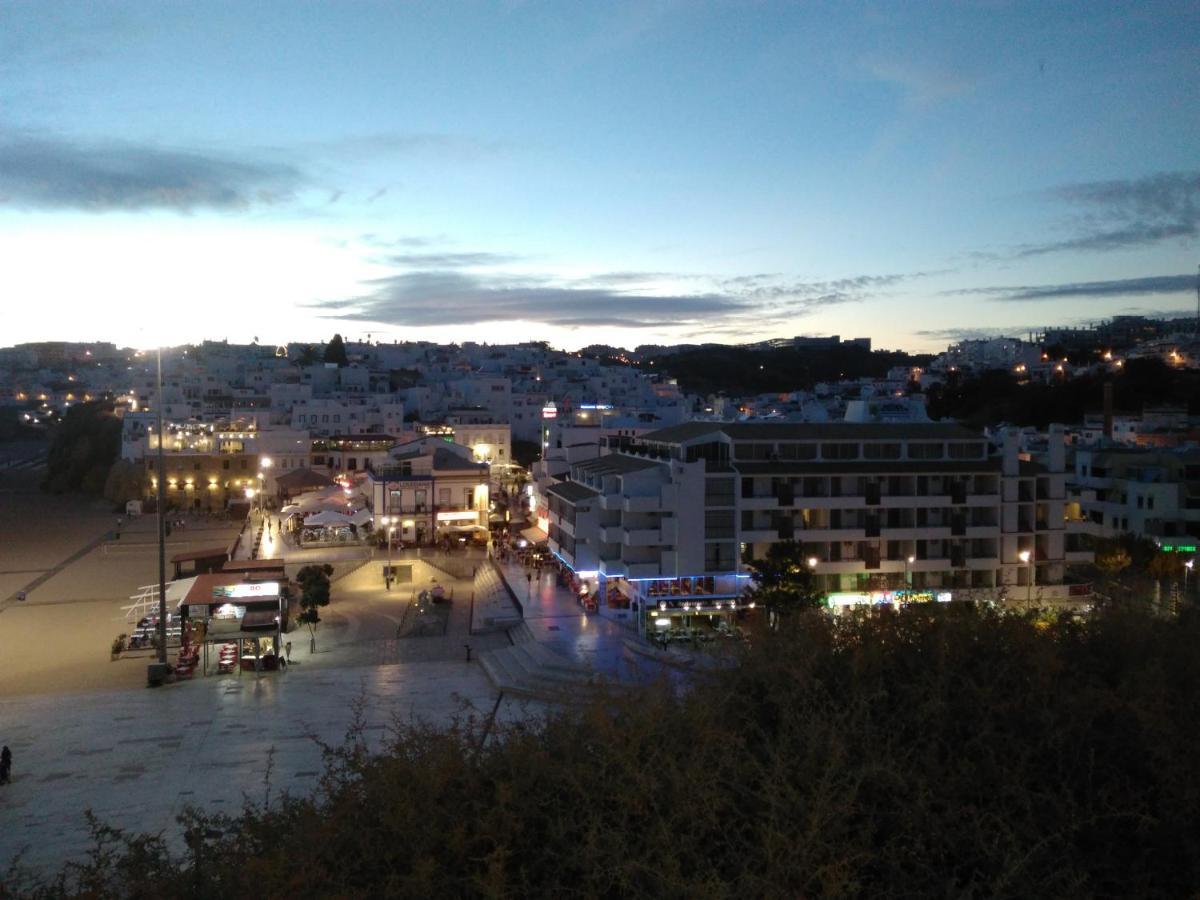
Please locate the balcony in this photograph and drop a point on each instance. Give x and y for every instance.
(761, 502)
(758, 535)
(611, 534)
(619, 568)
(642, 537)
(641, 504)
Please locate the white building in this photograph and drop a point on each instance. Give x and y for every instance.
(885, 511)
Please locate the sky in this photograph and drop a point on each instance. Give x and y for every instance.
(578, 172)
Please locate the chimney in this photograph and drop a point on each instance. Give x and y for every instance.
(1108, 410)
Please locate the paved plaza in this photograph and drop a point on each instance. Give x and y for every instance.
(137, 758)
(87, 734)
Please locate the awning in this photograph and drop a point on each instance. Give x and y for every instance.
(535, 535)
(259, 618)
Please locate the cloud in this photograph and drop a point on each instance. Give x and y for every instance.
(921, 85)
(1126, 287)
(972, 334)
(432, 298)
(438, 289)
(1112, 215)
(106, 176)
(450, 260)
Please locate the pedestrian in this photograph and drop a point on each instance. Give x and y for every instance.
(5, 765)
(287, 651)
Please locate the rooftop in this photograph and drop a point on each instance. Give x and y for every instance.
(813, 431)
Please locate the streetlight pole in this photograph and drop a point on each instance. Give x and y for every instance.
(264, 464)
(162, 524)
(1026, 558)
(388, 522)
(1187, 570)
(908, 561)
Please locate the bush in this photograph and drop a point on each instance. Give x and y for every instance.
(936, 752)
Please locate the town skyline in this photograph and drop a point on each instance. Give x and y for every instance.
(628, 174)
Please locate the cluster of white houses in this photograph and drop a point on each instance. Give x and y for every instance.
(920, 511)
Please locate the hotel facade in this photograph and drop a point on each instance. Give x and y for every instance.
(885, 513)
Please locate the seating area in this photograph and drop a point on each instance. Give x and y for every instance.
(681, 587)
(187, 660)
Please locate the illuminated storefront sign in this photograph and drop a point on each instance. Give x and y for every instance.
(467, 515)
(840, 599)
(253, 589)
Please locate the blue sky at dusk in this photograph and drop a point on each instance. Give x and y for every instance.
(594, 172)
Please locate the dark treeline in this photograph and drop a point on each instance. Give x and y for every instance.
(938, 752)
(83, 447)
(999, 397)
(738, 371)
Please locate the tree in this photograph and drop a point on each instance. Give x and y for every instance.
(126, 481)
(784, 582)
(335, 352)
(307, 356)
(314, 594)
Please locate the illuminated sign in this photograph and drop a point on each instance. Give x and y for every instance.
(456, 516)
(840, 599)
(252, 589)
(549, 411)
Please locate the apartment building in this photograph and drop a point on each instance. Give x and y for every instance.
(885, 512)
(1152, 493)
(432, 490)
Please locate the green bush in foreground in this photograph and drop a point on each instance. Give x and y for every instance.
(938, 752)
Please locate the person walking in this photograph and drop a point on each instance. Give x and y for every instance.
(5, 765)
(287, 651)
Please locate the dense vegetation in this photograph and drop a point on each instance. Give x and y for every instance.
(83, 448)
(999, 397)
(739, 371)
(943, 751)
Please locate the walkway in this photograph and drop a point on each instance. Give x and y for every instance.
(555, 618)
(138, 757)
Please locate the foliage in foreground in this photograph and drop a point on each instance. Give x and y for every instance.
(939, 752)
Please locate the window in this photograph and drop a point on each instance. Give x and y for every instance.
(718, 523)
(244, 464)
(337, 418)
(839, 451)
(468, 498)
(225, 464)
(925, 450)
(300, 418)
(1150, 502)
(443, 496)
(718, 492)
(325, 418)
(797, 451)
(1141, 502)
(972, 450)
(881, 451)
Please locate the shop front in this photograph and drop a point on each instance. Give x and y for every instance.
(234, 625)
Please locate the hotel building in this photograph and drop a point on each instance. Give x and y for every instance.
(885, 512)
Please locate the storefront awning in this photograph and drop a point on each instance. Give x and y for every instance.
(259, 618)
(535, 535)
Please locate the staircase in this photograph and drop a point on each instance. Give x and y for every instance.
(530, 669)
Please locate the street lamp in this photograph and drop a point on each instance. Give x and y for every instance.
(264, 463)
(1026, 557)
(388, 522)
(812, 562)
(1187, 570)
(908, 561)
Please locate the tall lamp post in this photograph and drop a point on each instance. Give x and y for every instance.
(162, 524)
(1026, 558)
(264, 464)
(388, 523)
(1187, 570)
(908, 561)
